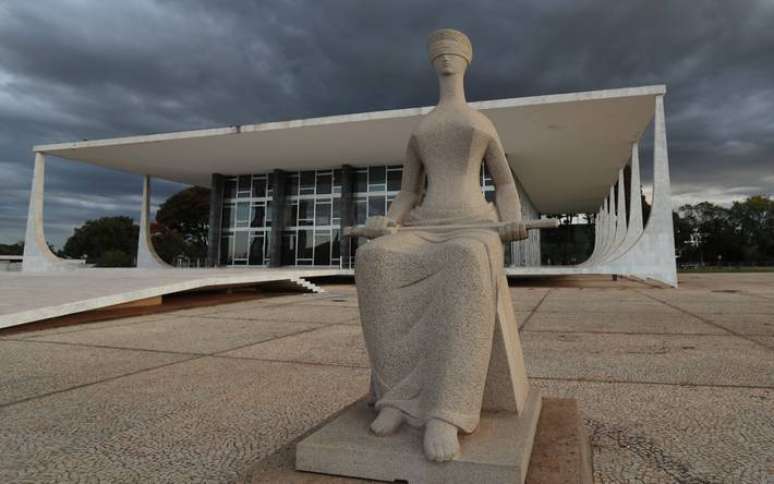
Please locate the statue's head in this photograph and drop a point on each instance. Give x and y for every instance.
(450, 51)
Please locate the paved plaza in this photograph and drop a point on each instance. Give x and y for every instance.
(675, 385)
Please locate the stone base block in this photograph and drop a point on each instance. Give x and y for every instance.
(499, 451)
(561, 453)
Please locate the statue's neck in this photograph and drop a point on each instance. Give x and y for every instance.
(452, 89)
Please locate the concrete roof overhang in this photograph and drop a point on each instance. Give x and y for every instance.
(566, 149)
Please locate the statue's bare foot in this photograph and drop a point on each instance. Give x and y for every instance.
(441, 443)
(387, 422)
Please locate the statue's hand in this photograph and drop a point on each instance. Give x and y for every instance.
(377, 226)
(513, 231)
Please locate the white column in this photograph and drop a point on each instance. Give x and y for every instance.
(37, 255)
(147, 258)
(620, 227)
(653, 255)
(634, 227)
(611, 227)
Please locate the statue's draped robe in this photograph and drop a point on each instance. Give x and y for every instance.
(429, 305)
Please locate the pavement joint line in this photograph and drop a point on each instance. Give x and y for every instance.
(300, 362)
(632, 333)
(193, 357)
(275, 338)
(640, 382)
(107, 347)
(534, 310)
(713, 323)
(270, 320)
(104, 380)
(184, 353)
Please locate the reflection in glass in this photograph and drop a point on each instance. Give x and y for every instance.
(305, 212)
(323, 214)
(322, 250)
(293, 185)
(244, 186)
(376, 206)
(240, 245)
(259, 216)
(256, 250)
(324, 183)
(361, 210)
(361, 181)
(393, 179)
(259, 187)
(376, 178)
(307, 183)
(305, 244)
(243, 214)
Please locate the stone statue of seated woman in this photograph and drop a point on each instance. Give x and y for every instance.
(435, 303)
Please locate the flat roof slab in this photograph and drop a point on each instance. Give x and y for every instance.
(566, 149)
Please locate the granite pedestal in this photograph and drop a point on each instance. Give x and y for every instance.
(499, 450)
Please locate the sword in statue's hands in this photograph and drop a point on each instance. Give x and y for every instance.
(508, 231)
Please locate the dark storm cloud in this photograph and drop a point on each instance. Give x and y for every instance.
(71, 70)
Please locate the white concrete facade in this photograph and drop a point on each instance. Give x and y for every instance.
(641, 253)
(588, 138)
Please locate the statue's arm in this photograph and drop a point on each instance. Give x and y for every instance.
(411, 185)
(506, 196)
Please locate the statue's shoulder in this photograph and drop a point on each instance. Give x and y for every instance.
(482, 122)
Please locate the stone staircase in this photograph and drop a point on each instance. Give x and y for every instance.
(300, 281)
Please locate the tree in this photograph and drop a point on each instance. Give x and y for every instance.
(96, 237)
(114, 258)
(12, 249)
(182, 224)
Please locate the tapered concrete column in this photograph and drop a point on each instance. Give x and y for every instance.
(37, 255)
(601, 226)
(278, 222)
(147, 258)
(215, 220)
(634, 227)
(347, 213)
(620, 227)
(597, 239)
(612, 225)
(653, 254)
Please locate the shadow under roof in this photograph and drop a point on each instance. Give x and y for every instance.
(566, 149)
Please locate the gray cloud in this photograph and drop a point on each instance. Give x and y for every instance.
(71, 70)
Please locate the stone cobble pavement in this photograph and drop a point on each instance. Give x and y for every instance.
(676, 385)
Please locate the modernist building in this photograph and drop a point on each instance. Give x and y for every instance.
(283, 192)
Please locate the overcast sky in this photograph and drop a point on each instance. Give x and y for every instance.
(76, 69)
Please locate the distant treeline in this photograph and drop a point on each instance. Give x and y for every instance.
(742, 235)
(705, 234)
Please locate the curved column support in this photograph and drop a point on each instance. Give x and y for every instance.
(37, 255)
(611, 226)
(653, 254)
(620, 217)
(634, 227)
(597, 233)
(147, 258)
(604, 230)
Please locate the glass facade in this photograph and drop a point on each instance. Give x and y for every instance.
(312, 213)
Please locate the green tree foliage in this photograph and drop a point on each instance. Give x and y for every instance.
(12, 249)
(97, 237)
(115, 258)
(181, 225)
(743, 234)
